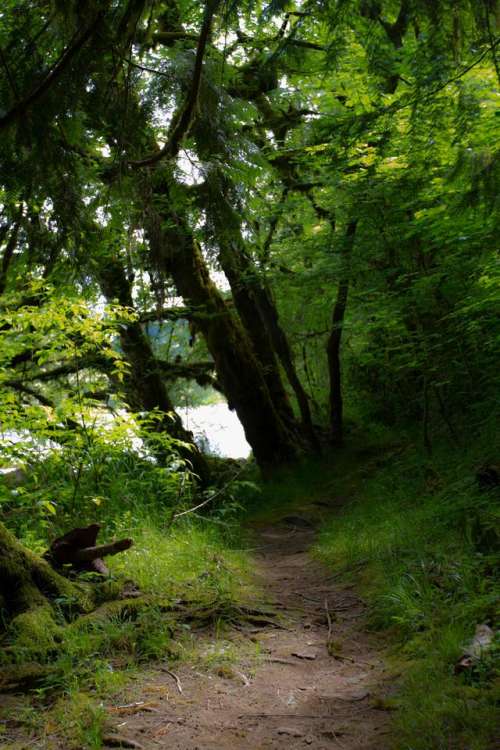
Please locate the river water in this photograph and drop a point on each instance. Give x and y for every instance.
(216, 429)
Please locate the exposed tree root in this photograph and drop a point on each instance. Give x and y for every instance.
(38, 633)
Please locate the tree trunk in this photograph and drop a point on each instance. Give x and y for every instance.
(144, 384)
(269, 315)
(176, 252)
(257, 310)
(245, 295)
(335, 339)
(28, 589)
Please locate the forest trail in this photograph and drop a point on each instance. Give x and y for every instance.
(296, 694)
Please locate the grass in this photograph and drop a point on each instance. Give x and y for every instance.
(191, 573)
(194, 559)
(421, 542)
(414, 533)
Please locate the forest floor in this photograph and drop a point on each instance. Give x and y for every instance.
(317, 679)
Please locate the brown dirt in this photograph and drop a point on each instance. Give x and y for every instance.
(296, 694)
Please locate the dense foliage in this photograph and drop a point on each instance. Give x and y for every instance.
(291, 205)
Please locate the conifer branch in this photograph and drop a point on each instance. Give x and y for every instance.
(183, 118)
(53, 76)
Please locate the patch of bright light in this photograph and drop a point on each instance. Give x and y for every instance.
(217, 429)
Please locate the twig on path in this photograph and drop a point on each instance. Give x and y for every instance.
(330, 625)
(336, 738)
(355, 661)
(245, 679)
(134, 708)
(174, 676)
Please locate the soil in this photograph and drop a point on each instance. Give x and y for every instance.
(318, 682)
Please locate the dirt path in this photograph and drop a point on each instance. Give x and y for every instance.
(297, 694)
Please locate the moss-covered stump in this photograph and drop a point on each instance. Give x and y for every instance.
(33, 596)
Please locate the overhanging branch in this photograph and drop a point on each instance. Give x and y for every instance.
(183, 118)
(53, 76)
(167, 313)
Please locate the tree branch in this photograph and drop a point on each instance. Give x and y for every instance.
(288, 41)
(167, 313)
(201, 372)
(53, 76)
(183, 118)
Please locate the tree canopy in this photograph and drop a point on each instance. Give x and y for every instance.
(278, 171)
(289, 205)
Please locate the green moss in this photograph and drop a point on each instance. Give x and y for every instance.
(35, 631)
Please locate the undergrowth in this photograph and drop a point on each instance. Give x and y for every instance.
(188, 574)
(421, 540)
(413, 531)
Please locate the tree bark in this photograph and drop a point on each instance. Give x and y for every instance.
(335, 339)
(237, 268)
(257, 311)
(28, 589)
(176, 252)
(144, 384)
(260, 318)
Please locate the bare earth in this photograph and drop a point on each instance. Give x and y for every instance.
(297, 694)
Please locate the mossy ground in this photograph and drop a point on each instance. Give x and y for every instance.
(192, 570)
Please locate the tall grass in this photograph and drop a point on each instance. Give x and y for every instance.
(422, 541)
(181, 568)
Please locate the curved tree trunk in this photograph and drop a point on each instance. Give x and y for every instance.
(176, 252)
(335, 339)
(260, 317)
(257, 310)
(269, 315)
(246, 303)
(144, 383)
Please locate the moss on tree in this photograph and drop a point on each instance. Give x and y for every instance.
(33, 595)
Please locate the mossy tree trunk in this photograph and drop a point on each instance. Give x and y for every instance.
(226, 227)
(177, 253)
(144, 382)
(245, 301)
(260, 317)
(256, 308)
(29, 589)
